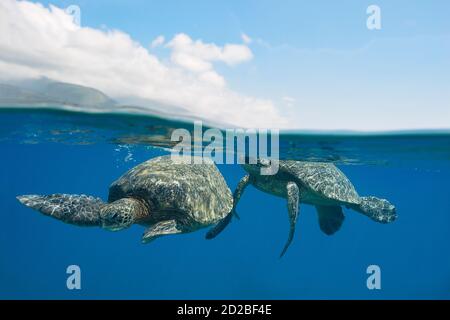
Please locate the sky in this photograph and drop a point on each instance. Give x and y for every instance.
(278, 64)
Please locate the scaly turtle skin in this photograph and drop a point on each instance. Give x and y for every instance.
(166, 196)
(320, 184)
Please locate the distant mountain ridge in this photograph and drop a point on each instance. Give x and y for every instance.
(76, 94)
(54, 92)
(48, 93)
(14, 95)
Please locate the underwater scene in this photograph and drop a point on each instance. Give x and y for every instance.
(48, 152)
(224, 150)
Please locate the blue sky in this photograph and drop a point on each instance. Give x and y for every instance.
(316, 61)
(305, 24)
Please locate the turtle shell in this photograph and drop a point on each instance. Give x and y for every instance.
(198, 190)
(325, 179)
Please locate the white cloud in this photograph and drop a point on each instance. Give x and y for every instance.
(212, 77)
(246, 38)
(289, 101)
(36, 41)
(231, 54)
(190, 62)
(159, 40)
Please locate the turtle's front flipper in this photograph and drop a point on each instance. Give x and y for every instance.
(330, 218)
(161, 228)
(293, 198)
(80, 210)
(218, 228)
(243, 183)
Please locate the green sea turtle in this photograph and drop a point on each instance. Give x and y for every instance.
(166, 196)
(320, 184)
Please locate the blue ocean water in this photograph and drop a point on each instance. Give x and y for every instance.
(46, 152)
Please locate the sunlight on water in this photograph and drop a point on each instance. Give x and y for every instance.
(385, 148)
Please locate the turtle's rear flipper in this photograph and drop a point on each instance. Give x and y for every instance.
(80, 210)
(379, 210)
(218, 228)
(330, 218)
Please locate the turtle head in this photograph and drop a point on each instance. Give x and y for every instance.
(260, 166)
(120, 214)
(380, 210)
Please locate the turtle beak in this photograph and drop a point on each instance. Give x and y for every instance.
(111, 228)
(107, 225)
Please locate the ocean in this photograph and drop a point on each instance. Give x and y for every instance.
(46, 151)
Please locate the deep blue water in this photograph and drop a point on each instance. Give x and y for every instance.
(47, 153)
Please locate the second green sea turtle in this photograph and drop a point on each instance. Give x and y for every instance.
(317, 183)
